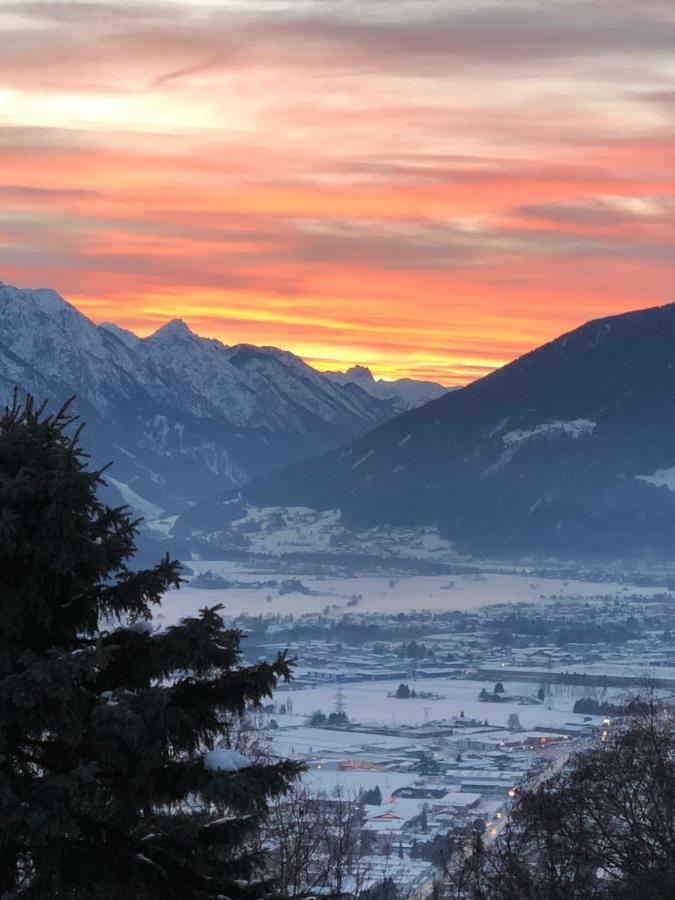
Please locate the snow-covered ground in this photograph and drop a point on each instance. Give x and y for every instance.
(660, 478)
(368, 703)
(350, 782)
(275, 531)
(297, 739)
(551, 431)
(135, 502)
(631, 666)
(375, 594)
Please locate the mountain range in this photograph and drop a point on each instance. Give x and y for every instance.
(402, 394)
(568, 452)
(182, 416)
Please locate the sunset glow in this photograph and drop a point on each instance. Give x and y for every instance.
(428, 188)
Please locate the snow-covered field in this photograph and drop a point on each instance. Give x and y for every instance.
(349, 783)
(375, 594)
(297, 739)
(632, 666)
(368, 703)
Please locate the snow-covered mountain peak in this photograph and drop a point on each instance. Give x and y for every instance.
(249, 356)
(359, 374)
(40, 325)
(176, 329)
(403, 394)
(45, 300)
(181, 415)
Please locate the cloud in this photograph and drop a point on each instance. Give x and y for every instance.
(425, 187)
(605, 212)
(186, 39)
(195, 69)
(30, 192)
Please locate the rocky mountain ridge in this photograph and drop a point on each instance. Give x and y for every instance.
(180, 415)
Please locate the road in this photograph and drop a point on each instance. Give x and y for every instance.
(494, 829)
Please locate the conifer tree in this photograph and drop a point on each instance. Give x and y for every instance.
(112, 784)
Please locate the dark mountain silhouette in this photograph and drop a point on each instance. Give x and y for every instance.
(568, 451)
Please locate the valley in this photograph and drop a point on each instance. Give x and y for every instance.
(472, 585)
(443, 695)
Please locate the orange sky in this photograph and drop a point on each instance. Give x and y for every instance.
(427, 187)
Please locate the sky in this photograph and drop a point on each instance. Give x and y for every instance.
(427, 188)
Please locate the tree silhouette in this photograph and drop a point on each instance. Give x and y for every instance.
(111, 781)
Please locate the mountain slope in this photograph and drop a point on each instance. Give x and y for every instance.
(568, 451)
(181, 416)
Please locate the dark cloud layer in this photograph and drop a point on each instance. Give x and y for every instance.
(390, 37)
